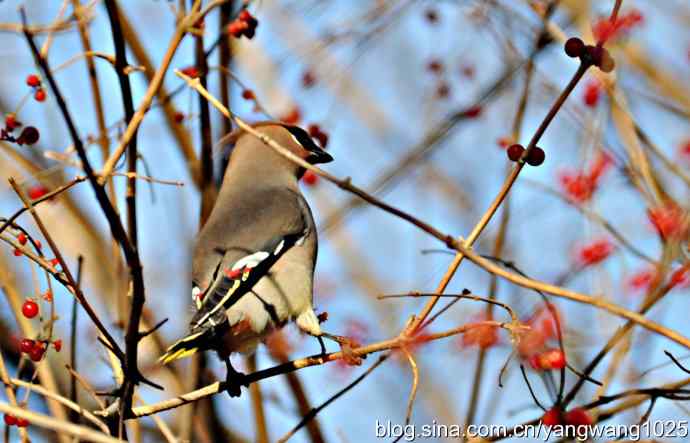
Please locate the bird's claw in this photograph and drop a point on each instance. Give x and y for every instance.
(234, 382)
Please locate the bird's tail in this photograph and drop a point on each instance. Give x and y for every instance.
(186, 347)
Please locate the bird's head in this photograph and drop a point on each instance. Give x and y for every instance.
(250, 150)
(294, 138)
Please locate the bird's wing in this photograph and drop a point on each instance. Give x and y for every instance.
(247, 242)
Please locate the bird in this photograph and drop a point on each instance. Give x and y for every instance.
(254, 258)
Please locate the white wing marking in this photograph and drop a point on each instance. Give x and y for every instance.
(250, 261)
(196, 296)
(279, 247)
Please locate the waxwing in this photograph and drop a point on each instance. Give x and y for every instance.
(253, 261)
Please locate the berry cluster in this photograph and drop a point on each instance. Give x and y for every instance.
(35, 349)
(244, 25)
(437, 68)
(575, 417)
(23, 239)
(34, 82)
(589, 54)
(535, 156)
(534, 343)
(642, 280)
(671, 221)
(28, 136)
(11, 420)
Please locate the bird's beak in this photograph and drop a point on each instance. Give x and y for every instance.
(319, 156)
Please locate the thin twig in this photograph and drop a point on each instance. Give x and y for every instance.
(59, 426)
(73, 395)
(307, 418)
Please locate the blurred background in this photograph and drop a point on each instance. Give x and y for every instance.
(419, 100)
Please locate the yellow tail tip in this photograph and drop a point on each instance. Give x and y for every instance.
(178, 354)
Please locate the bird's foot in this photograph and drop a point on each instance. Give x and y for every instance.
(323, 345)
(346, 347)
(340, 339)
(234, 381)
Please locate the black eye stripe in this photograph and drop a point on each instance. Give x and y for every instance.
(303, 138)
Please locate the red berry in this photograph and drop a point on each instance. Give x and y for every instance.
(504, 142)
(322, 137)
(237, 28)
(22, 239)
(22, 422)
(442, 90)
(36, 354)
(578, 417)
(313, 130)
(29, 136)
(310, 178)
(536, 156)
(55, 262)
(48, 296)
(552, 417)
(17, 252)
(234, 273)
(38, 244)
(293, 117)
(40, 95)
(10, 420)
(33, 80)
(26, 345)
(248, 94)
(595, 252)
(179, 117)
(431, 15)
(574, 47)
(191, 71)
(11, 122)
(467, 71)
(57, 344)
(308, 79)
(535, 362)
(245, 15)
(473, 112)
(515, 152)
(30, 309)
(36, 192)
(435, 66)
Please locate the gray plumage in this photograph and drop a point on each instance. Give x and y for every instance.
(254, 259)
